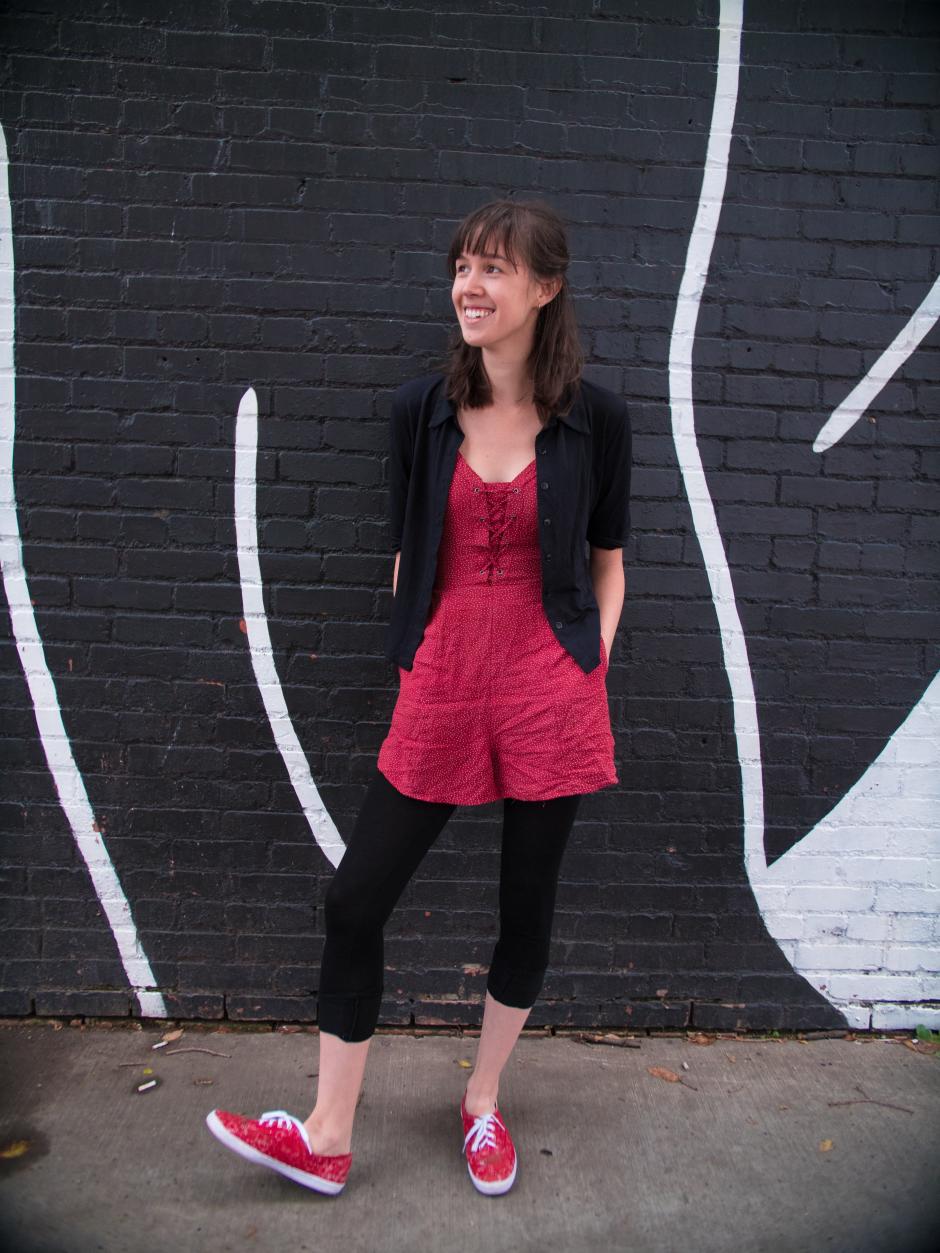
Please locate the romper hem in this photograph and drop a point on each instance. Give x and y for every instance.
(419, 793)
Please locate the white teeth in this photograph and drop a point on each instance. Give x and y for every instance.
(475, 314)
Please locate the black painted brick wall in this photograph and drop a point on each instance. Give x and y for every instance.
(231, 193)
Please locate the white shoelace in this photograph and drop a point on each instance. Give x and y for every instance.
(281, 1118)
(483, 1132)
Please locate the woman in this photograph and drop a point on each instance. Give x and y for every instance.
(504, 471)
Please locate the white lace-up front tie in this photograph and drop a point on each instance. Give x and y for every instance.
(281, 1118)
(483, 1132)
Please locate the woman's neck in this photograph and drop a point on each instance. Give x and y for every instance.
(510, 382)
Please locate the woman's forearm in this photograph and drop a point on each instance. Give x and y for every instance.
(609, 590)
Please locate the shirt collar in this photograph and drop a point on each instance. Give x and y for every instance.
(576, 417)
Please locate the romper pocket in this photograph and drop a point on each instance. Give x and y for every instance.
(582, 724)
(582, 715)
(430, 646)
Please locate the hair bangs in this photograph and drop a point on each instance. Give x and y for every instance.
(488, 232)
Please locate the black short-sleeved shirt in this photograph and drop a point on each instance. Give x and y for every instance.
(583, 460)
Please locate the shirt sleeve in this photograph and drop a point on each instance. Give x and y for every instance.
(401, 451)
(609, 523)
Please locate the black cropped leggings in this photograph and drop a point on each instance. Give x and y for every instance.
(391, 836)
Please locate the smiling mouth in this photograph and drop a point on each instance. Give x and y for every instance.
(476, 314)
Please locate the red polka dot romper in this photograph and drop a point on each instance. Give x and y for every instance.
(495, 707)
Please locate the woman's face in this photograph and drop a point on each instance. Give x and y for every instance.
(497, 303)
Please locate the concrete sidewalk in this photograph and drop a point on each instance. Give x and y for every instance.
(732, 1158)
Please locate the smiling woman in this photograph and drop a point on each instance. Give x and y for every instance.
(508, 261)
(504, 472)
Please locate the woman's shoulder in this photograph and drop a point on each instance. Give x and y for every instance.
(606, 410)
(601, 401)
(413, 393)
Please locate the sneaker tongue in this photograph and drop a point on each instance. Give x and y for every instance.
(273, 1114)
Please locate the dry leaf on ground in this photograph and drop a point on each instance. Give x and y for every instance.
(660, 1072)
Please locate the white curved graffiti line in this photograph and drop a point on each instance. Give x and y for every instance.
(877, 850)
(705, 522)
(843, 418)
(259, 637)
(69, 784)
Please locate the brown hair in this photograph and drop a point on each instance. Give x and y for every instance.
(531, 231)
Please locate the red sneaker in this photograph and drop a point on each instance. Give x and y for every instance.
(279, 1140)
(490, 1153)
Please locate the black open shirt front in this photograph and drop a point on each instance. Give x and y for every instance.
(583, 460)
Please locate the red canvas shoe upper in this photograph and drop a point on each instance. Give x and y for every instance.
(280, 1135)
(488, 1146)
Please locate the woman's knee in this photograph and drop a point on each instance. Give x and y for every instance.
(349, 908)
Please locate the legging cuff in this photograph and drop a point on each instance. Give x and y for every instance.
(517, 988)
(352, 1018)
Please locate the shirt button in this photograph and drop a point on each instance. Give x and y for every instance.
(559, 624)
(547, 521)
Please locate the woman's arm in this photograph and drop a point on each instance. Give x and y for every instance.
(609, 590)
(395, 573)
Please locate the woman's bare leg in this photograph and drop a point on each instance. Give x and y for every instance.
(535, 834)
(391, 836)
(501, 1027)
(339, 1082)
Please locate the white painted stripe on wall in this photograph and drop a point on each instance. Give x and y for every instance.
(259, 637)
(834, 902)
(69, 784)
(842, 419)
(704, 519)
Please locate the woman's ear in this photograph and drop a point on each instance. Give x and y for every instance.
(549, 290)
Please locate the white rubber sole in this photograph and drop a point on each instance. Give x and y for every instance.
(497, 1188)
(303, 1177)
